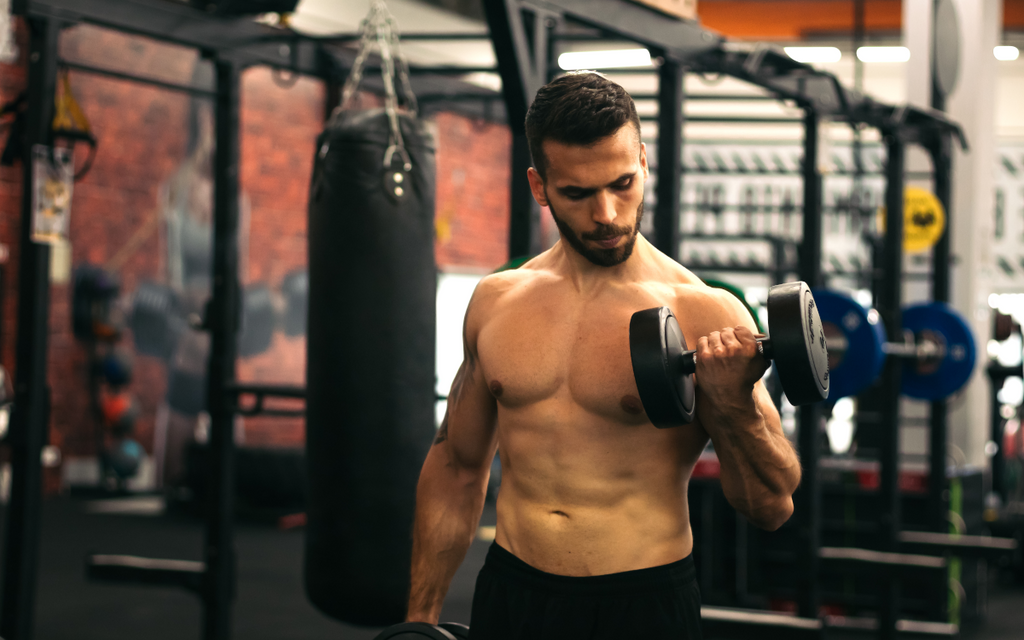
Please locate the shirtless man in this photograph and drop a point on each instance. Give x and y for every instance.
(593, 532)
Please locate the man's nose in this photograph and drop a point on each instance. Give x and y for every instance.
(604, 208)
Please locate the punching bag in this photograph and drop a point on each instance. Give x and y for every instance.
(370, 363)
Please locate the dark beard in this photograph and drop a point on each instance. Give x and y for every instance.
(601, 257)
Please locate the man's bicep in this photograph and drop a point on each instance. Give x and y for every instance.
(468, 426)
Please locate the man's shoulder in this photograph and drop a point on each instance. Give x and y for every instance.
(710, 307)
(501, 288)
(495, 285)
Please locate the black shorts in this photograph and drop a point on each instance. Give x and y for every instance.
(514, 601)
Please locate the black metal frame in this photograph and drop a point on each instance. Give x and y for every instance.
(31, 393)
(685, 46)
(232, 45)
(522, 32)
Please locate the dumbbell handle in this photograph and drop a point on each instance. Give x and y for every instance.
(689, 359)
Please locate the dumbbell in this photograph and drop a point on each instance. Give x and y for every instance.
(939, 347)
(663, 367)
(425, 631)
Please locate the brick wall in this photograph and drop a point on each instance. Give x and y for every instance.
(143, 134)
(472, 205)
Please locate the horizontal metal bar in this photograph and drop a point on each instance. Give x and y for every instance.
(677, 39)
(344, 38)
(754, 172)
(905, 629)
(731, 120)
(238, 38)
(445, 70)
(119, 75)
(759, 618)
(262, 392)
(966, 546)
(773, 239)
(723, 622)
(451, 97)
(881, 560)
(265, 390)
(117, 568)
(727, 268)
(711, 97)
(258, 410)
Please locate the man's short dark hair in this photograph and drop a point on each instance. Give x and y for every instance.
(577, 109)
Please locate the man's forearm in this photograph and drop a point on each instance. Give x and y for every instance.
(760, 470)
(449, 501)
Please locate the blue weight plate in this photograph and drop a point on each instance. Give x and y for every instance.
(938, 378)
(855, 338)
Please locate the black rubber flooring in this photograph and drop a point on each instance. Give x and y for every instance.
(270, 602)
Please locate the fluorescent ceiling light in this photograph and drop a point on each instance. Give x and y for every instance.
(575, 60)
(883, 54)
(814, 54)
(1006, 53)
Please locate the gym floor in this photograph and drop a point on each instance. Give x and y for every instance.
(270, 603)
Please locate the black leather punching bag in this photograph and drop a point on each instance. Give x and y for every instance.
(370, 362)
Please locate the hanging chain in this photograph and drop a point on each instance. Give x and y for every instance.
(379, 27)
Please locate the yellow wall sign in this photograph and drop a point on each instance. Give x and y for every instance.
(924, 220)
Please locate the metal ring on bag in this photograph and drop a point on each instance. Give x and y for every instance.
(390, 153)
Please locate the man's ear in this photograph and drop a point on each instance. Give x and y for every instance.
(643, 160)
(537, 187)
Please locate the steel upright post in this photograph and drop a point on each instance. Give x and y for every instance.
(30, 420)
(942, 163)
(522, 59)
(223, 323)
(889, 303)
(808, 496)
(670, 159)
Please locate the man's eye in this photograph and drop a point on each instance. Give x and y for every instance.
(622, 186)
(576, 196)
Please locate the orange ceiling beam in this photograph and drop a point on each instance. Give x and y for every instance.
(1013, 15)
(796, 19)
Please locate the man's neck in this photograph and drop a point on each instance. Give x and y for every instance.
(587, 276)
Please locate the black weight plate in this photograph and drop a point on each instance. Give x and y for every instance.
(656, 344)
(157, 320)
(258, 321)
(414, 631)
(295, 288)
(798, 343)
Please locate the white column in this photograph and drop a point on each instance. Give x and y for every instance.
(972, 104)
(918, 16)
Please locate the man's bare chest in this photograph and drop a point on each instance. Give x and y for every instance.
(565, 354)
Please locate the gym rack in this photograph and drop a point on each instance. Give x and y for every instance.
(525, 32)
(522, 36)
(231, 44)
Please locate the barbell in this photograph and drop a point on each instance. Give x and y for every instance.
(663, 367)
(938, 347)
